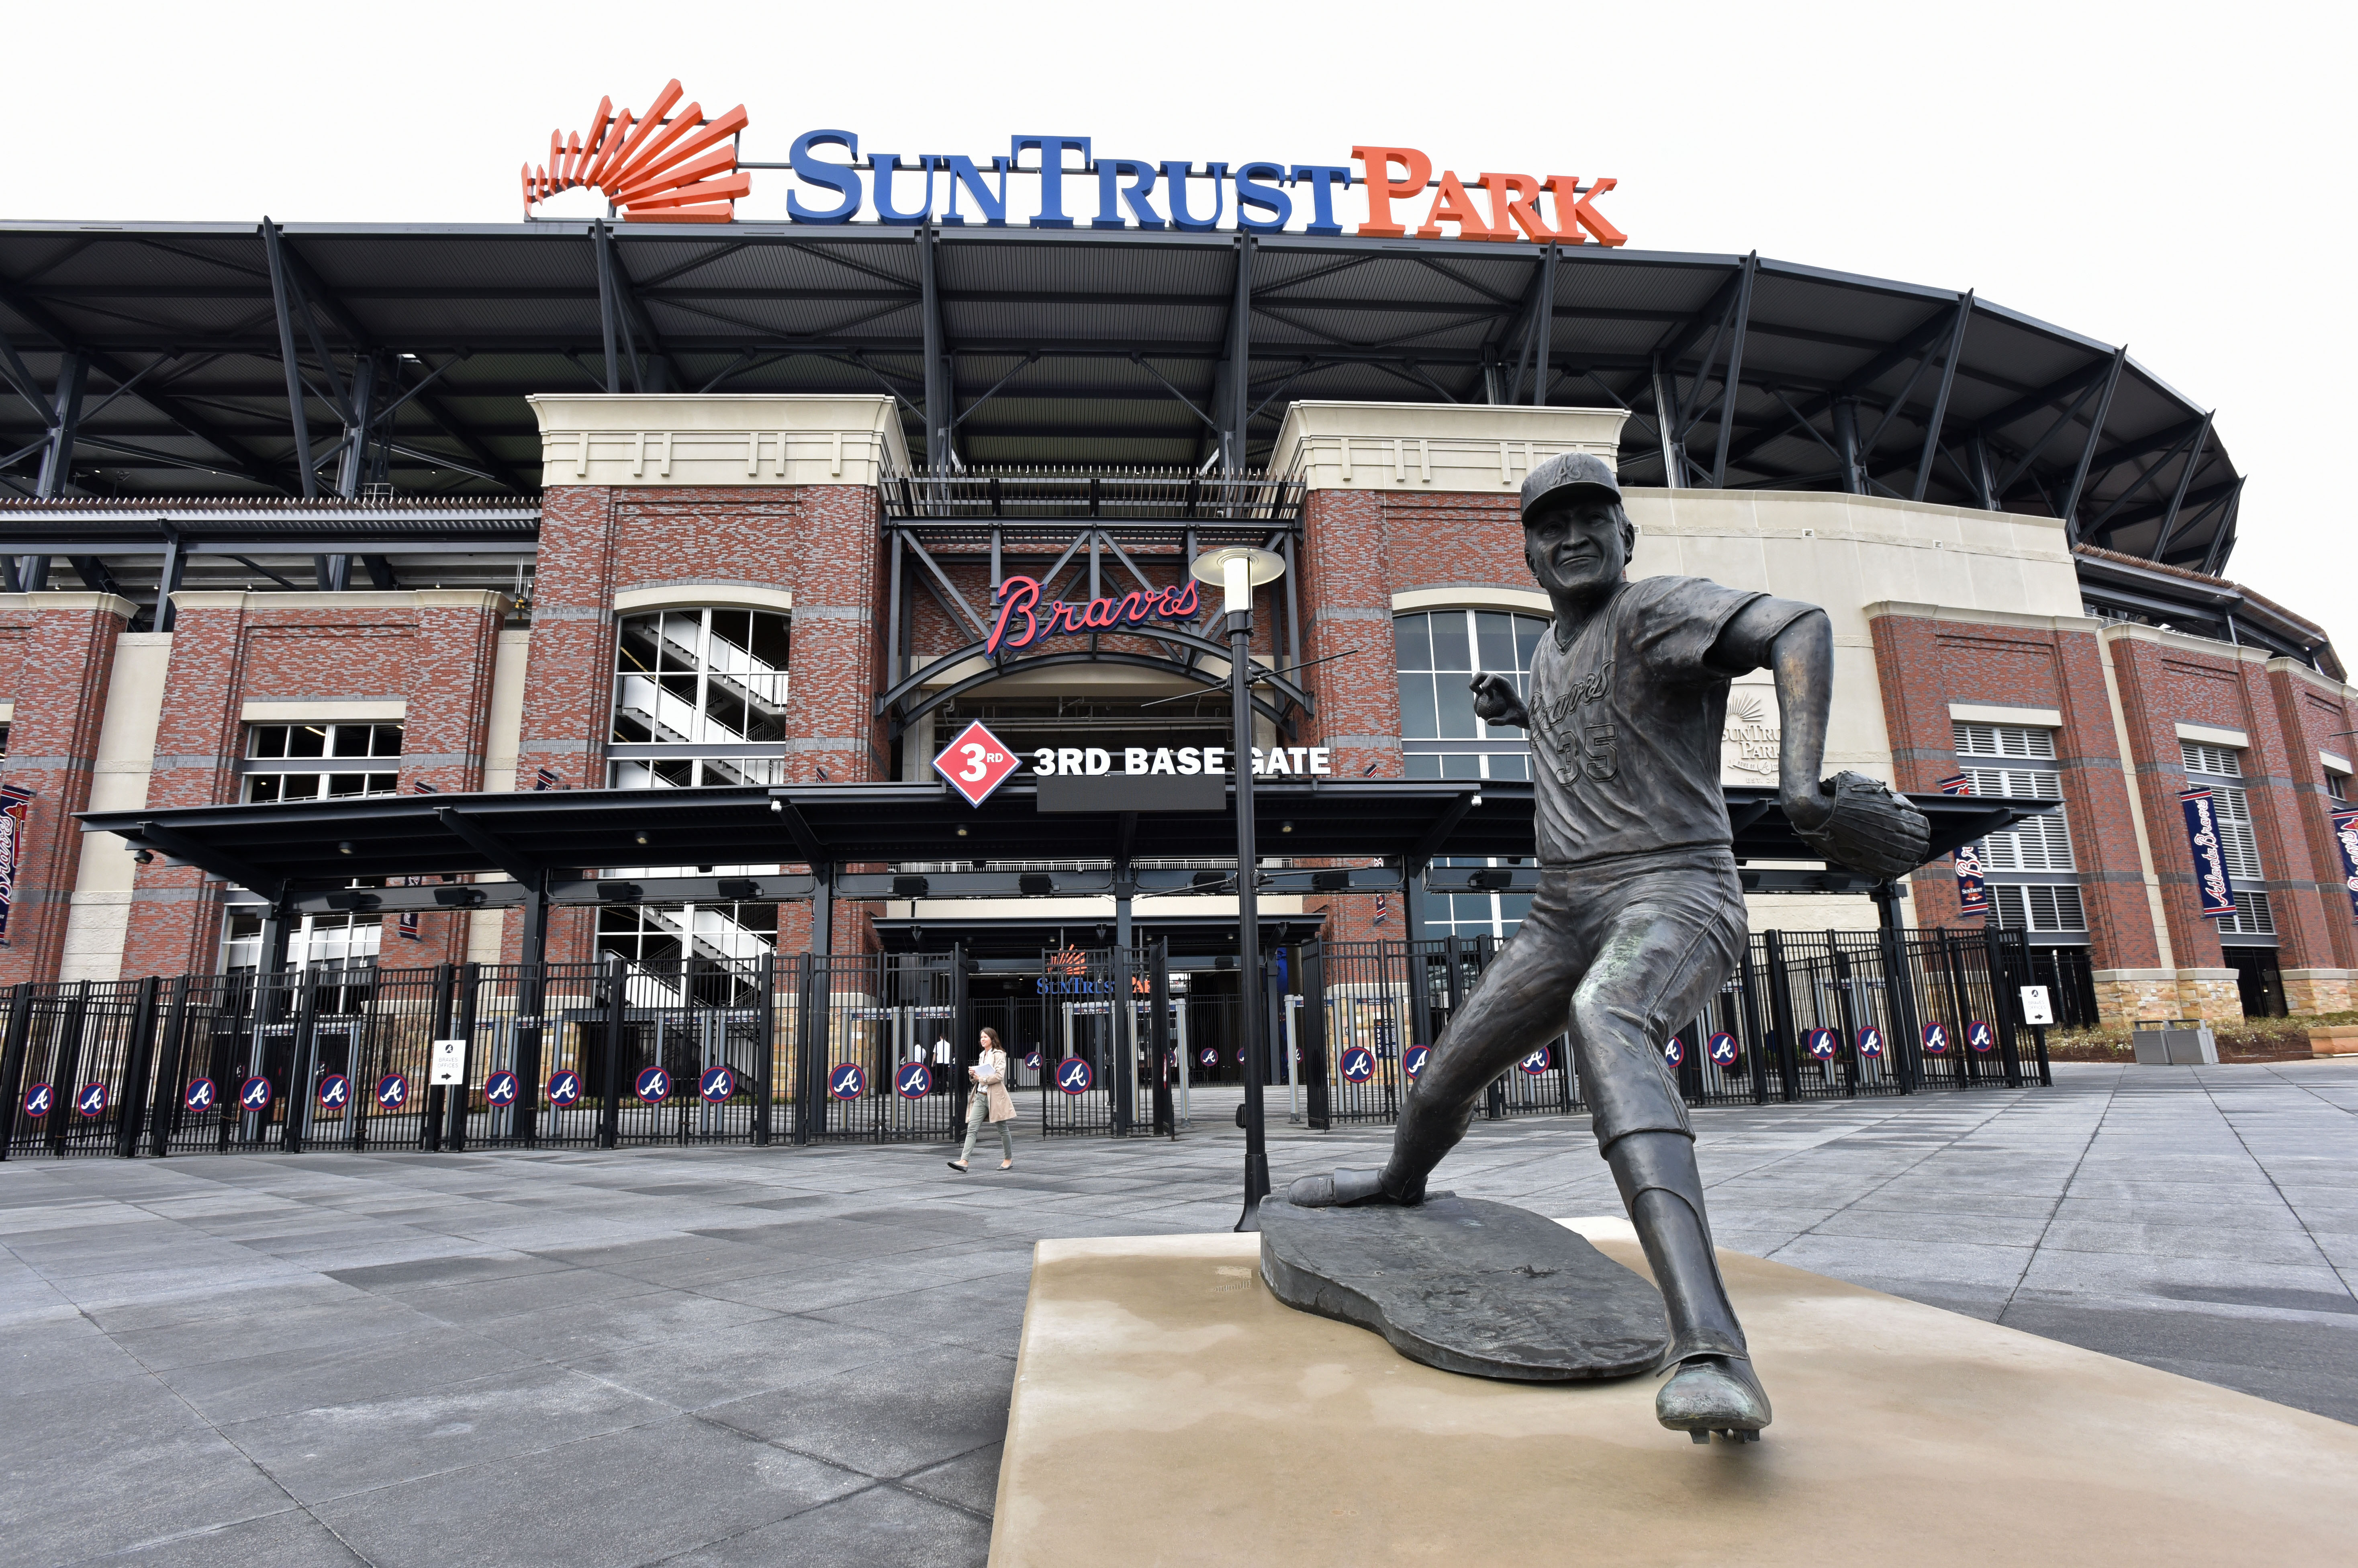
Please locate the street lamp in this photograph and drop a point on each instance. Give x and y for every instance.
(1238, 570)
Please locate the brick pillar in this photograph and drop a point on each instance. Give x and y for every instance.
(58, 649)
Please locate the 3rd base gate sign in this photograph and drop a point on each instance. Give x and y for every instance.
(975, 764)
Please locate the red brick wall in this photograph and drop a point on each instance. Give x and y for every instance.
(2164, 684)
(1923, 665)
(818, 542)
(1359, 549)
(56, 661)
(438, 658)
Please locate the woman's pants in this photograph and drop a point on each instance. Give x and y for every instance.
(978, 1116)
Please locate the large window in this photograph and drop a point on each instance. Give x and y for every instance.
(1438, 653)
(315, 762)
(1471, 914)
(2220, 769)
(315, 942)
(699, 699)
(2018, 762)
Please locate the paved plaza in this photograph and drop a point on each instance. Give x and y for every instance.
(804, 1355)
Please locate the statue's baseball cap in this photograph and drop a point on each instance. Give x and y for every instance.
(1565, 474)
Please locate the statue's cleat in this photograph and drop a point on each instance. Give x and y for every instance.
(1342, 1189)
(1709, 1394)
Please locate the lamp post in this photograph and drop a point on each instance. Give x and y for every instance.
(1238, 570)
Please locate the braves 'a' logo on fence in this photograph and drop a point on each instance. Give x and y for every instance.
(1073, 1076)
(846, 1081)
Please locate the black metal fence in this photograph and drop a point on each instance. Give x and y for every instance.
(875, 1047)
(1806, 1016)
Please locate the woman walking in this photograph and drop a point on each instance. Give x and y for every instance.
(991, 1103)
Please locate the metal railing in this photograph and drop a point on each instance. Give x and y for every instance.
(874, 1047)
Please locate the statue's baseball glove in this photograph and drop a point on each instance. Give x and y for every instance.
(1871, 830)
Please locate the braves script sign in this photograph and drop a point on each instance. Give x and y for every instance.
(2345, 836)
(2210, 881)
(1020, 620)
(15, 803)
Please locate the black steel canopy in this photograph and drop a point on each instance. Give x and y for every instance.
(862, 832)
(169, 351)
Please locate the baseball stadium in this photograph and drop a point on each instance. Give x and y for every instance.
(548, 634)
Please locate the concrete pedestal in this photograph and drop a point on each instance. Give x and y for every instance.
(1169, 1409)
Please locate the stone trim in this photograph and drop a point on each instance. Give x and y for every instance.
(1474, 596)
(699, 595)
(325, 710)
(1988, 713)
(61, 598)
(1883, 607)
(721, 440)
(2211, 735)
(251, 600)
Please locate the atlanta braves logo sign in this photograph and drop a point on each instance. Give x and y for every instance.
(1020, 597)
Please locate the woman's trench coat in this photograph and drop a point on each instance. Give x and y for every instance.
(990, 1075)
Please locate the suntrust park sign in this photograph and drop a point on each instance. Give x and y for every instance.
(673, 165)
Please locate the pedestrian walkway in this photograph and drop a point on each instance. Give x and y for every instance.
(740, 1355)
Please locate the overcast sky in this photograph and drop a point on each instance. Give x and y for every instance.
(2169, 176)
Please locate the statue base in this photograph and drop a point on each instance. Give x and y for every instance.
(1468, 1286)
(1170, 1409)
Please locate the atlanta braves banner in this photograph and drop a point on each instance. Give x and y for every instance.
(2211, 882)
(1973, 884)
(2345, 834)
(14, 803)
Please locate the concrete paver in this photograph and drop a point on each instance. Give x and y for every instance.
(737, 1355)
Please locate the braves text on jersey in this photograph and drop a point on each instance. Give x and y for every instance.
(1626, 719)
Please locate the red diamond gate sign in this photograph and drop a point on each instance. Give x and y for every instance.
(975, 764)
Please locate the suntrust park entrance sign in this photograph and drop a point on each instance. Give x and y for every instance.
(673, 164)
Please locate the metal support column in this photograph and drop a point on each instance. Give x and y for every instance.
(1735, 370)
(57, 458)
(293, 367)
(1845, 413)
(2071, 508)
(1251, 1016)
(168, 581)
(941, 394)
(1940, 399)
(1239, 366)
(610, 1082)
(1319, 1113)
(138, 1064)
(1780, 1012)
(454, 1134)
(601, 245)
(765, 1049)
(354, 463)
(171, 1072)
(532, 991)
(1158, 1034)
(1666, 421)
(1543, 325)
(12, 1061)
(1900, 988)
(437, 1096)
